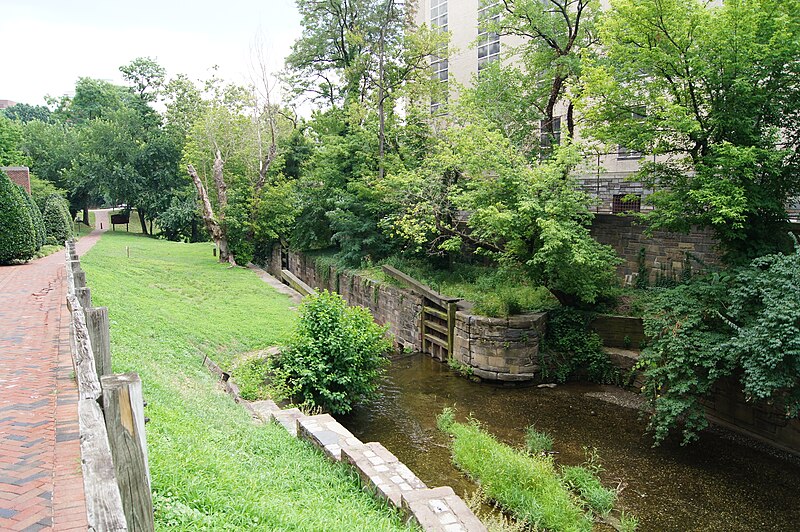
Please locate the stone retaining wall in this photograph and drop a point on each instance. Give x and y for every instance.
(504, 349)
(664, 253)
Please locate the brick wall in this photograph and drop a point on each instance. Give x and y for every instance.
(19, 175)
(665, 253)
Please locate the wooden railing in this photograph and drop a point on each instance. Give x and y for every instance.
(116, 476)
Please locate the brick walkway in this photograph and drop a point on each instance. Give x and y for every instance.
(41, 485)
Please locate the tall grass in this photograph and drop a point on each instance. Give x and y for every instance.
(212, 468)
(527, 486)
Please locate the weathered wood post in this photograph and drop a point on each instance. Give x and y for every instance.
(84, 295)
(100, 337)
(124, 412)
(452, 308)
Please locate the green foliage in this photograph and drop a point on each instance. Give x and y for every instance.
(57, 220)
(334, 359)
(17, 232)
(10, 143)
(743, 325)
(586, 485)
(716, 84)
(537, 442)
(527, 486)
(40, 233)
(212, 468)
(575, 348)
(42, 189)
(251, 377)
(24, 113)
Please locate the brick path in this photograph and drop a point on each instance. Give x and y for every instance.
(41, 485)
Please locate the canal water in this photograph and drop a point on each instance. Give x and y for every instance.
(717, 484)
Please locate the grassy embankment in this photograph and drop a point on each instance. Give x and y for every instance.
(212, 467)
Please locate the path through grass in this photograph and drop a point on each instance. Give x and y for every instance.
(212, 467)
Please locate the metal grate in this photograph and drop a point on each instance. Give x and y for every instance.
(626, 203)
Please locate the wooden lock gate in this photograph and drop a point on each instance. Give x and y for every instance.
(438, 317)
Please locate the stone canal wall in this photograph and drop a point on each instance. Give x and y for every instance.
(497, 349)
(504, 349)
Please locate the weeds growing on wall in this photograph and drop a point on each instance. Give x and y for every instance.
(334, 359)
(574, 349)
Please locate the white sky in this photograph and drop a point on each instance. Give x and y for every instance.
(48, 44)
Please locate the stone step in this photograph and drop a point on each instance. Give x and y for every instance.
(327, 434)
(288, 418)
(440, 510)
(265, 409)
(383, 471)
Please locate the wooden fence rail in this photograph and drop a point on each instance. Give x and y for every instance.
(116, 475)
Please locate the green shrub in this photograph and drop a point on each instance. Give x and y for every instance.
(335, 357)
(537, 442)
(251, 377)
(527, 486)
(57, 221)
(17, 233)
(585, 484)
(576, 348)
(38, 222)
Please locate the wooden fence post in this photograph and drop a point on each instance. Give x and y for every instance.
(123, 407)
(99, 336)
(84, 295)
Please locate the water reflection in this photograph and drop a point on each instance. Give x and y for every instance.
(717, 484)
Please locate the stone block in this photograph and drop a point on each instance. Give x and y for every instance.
(382, 471)
(288, 419)
(328, 434)
(440, 509)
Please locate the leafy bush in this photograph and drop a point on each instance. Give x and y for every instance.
(251, 377)
(57, 220)
(17, 233)
(527, 486)
(742, 324)
(575, 347)
(38, 222)
(335, 357)
(537, 442)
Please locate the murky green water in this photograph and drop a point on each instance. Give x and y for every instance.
(718, 484)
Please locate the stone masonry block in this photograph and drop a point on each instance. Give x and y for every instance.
(440, 509)
(326, 433)
(382, 471)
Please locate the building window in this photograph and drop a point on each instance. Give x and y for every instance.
(623, 203)
(439, 64)
(548, 140)
(488, 41)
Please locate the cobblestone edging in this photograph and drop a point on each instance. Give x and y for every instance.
(381, 472)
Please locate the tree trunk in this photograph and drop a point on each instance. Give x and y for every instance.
(212, 224)
(142, 221)
(86, 213)
(195, 233)
(222, 188)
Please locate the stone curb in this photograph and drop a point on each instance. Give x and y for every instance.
(381, 472)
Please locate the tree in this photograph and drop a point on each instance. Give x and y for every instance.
(715, 90)
(559, 36)
(476, 192)
(24, 113)
(57, 220)
(17, 233)
(40, 233)
(10, 143)
(146, 76)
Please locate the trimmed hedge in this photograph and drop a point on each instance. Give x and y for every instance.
(17, 233)
(57, 221)
(40, 233)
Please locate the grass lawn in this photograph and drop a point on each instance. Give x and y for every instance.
(213, 468)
